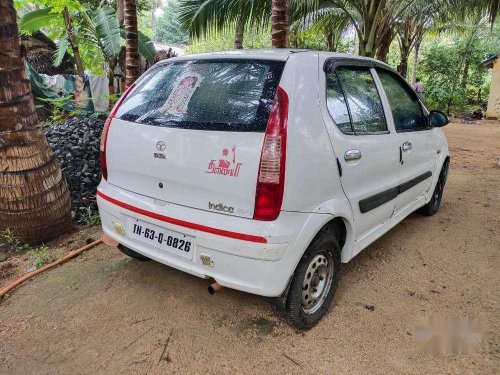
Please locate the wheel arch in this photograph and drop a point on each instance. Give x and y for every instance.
(445, 159)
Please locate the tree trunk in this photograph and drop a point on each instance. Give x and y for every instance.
(385, 44)
(331, 44)
(280, 23)
(72, 41)
(238, 33)
(465, 75)
(371, 25)
(120, 9)
(405, 53)
(34, 197)
(153, 20)
(415, 63)
(132, 59)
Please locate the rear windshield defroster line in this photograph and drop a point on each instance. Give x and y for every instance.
(218, 94)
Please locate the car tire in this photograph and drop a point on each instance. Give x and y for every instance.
(132, 253)
(314, 282)
(433, 206)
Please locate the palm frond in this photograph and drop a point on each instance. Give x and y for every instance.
(208, 17)
(62, 47)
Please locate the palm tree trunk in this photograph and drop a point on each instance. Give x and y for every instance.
(132, 59)
(330, 40)
(72, 41)
(371, 21)
(238, 33)
(415, 63)
(385, 44)
(120, 11)
(280, 23)
(405, 53)
(153, 19)
(34, 197)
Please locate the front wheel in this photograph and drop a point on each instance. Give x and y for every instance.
(314, 283)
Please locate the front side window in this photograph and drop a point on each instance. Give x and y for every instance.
(405, 107)
(353, 101)
(228, 95)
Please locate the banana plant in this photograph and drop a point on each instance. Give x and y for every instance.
(99, 27)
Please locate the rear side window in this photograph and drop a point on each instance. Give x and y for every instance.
(336, 104)
(405, 107)
(352, 90)
(228, 95)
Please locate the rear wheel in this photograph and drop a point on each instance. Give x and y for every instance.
(132, 253)
(314, 282)
(433, 206)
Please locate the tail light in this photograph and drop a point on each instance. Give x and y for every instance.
(105, 130)
(271, 179)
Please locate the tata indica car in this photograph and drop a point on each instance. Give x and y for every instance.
(266, 170)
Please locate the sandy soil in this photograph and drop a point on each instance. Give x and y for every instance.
(18, 262)
(105, 313)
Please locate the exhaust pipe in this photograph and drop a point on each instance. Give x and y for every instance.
(109, 241)
(215, 287)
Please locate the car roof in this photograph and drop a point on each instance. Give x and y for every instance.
(279, 54)
(272, 54)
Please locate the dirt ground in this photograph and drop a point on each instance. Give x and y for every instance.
(105, 313)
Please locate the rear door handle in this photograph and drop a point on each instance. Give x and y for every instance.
(351, 155)
(406, 146)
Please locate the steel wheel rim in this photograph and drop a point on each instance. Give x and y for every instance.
(317, 282)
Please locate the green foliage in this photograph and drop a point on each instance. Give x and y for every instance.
(107, 30)
(58, 110)
(168, 28)
(59, 53)
(91, 217)
(35, 20)
(224, 41)
(146, 46)
(9, 238)
(449, 69)
(209, 17)
(96, 28)
(93, 58)
(39, 257)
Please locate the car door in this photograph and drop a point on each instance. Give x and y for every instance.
(366, 151)
(417, 145)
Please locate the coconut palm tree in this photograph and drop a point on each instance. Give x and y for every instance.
(34, 197)
(208, 17)
(132, 59)
(280, 23)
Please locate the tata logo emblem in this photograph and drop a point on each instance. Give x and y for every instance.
(161, 146)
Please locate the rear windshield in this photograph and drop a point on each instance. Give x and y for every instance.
(229, 95)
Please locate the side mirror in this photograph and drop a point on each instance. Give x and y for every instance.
(438, 119)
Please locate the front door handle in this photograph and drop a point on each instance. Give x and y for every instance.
(406, 146)
(351, 155)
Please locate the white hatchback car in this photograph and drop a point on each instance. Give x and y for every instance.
(266, 170)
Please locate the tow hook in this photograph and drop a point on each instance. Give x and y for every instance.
(214, 288)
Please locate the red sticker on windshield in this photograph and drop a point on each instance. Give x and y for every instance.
(184, 88)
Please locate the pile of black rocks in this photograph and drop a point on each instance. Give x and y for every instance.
(76, 144)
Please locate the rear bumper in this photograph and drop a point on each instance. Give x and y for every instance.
(248, 255)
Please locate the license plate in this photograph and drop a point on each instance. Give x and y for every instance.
(169, 240)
